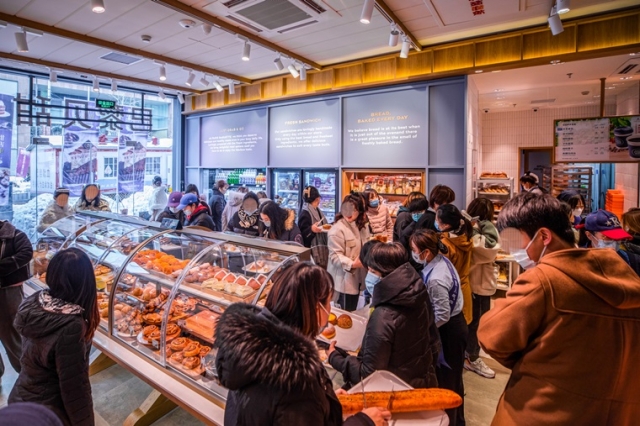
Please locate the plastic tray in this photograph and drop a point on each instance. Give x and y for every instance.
(348, 339)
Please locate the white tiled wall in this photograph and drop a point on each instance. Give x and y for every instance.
(627, 174)
(474, 136)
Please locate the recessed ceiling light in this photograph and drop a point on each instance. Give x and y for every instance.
(501, 97)
(555, 61)
(497, 90)
(497, 71)
(610, 87)
(596, 96)
(634, 54)
(626, 78)
(479, 71)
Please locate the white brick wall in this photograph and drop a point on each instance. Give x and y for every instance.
(474, 136)
(627, 174)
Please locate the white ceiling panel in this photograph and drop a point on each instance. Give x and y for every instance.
(84, 21)
(70, 52)
(51, 12)
(150, 19)
(13, 6)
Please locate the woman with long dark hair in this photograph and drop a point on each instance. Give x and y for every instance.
(310, 220)
(57, 326)
(378, 215)
(269, 362)
(277, 223)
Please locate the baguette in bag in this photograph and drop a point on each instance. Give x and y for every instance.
(407, 401)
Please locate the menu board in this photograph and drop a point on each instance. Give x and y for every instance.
(597, 140)
(233, 140)
(386, 129)
(305, 135)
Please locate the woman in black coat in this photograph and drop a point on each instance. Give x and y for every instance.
(401, 335)
(269, 361)
(57, 326)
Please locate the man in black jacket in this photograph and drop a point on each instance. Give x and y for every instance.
(15, 254)
(217, 203)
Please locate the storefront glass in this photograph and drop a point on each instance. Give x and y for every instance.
(65, 134)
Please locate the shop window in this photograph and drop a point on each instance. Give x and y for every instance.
(152, 166)
(110, 167)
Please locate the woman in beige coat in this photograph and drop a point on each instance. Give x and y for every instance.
(346, 238)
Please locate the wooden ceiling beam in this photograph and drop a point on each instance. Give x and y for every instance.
(386, 10)
(15, 20)
(60, 66)
(225, 26)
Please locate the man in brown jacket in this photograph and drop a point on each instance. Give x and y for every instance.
(569, 328)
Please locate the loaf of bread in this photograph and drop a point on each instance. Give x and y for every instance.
(407, 401)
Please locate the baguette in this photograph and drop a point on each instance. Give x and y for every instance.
(407, 401)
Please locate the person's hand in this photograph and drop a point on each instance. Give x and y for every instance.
(356, 264)
(332, 347)
(341, 392)
(380, 416)
(315, 228)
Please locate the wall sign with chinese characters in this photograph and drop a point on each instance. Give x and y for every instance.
(105, 103)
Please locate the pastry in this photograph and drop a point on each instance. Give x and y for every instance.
(253, 283)
(155, 335)
(191, 362)
(333, 319)
(153, 319)
(104, 313)
(126, 309)
(329, 332)
(240, 280)
(345, 321)
(146, 332)
(179, 344)
(243, 290)
(103, 305)
(173, 329)
(137, 292)
(405, 401)
(204, 350)
(117, 315)
(118, 306)
(192, 349)
(177, 358)
(326, 227)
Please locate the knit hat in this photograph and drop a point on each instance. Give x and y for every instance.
(60, 191)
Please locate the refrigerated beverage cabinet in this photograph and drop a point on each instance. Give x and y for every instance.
(286, 188)
(326, 181)
(254, 179)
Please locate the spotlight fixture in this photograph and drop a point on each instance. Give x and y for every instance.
(393, 37)
(218, 86)
(97, 6)
(161, 94)
(21, 41)
(163, 73)
(406, 46)
(479, 71)
(294, 72)
(367, 11)
(278, 63)
(180, 98)
(303, 73)
(53, 76)
(206, 29)
(555, 24)
(246, 51)
(232, 88)
(563, 6)
(114, 85)
(96, 84)
(204, 80)
(190, 78)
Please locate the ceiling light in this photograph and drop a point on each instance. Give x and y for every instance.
(21, 42)
(563, 6)
(294, 72)
(634, 54)
(180, 98)
(163, 73)
(626, 78)
(232, 88)
(114, 85)
(218, 86)
(555, 62)
(204, 80)
(367, 11)
(161, 94)
(497, 90)
(497, 71)
(53, 76)
(96, 84)
(3, 24)
(393, 37)
(206, 28)
(555, 24)
(278, 63)
(190, 78)
(303, 73)
(479, 71)
(246, 51)
(97, 6)
(406, 46)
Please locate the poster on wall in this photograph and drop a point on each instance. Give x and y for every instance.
(597, 140)
(8, 90)
(307, 135)
(79, 161)
(234, 140)
(386, 129)
(132, 154)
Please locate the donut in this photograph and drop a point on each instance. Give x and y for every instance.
(179, 344)
(333, 319)
(192, 349)
(204, 350)
(191, 362)
(345, 321)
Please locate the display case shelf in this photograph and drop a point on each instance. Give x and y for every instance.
(498, 190)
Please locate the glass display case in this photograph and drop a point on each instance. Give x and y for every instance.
(499, 191)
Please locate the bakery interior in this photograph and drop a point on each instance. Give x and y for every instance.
(480, 84)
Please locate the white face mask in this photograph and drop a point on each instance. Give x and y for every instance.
(174, 210)
(523, 258)
(416, 258)
(577, 212)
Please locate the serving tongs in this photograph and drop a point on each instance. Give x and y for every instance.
(364, 397)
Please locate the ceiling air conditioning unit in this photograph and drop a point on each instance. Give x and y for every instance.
(270, 18)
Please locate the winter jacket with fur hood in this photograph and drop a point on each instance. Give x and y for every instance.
(15, 254)
(401, 335)
(291, 231)
(273, 373)
(569, 329)
(55, 359)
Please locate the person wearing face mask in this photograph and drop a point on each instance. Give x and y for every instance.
(604, 230)
(270, 363)
(246, 220)
(400, 336)
(569, 327)
(90, 200)
(277, 223)
(378, 215)
(424, 214)
(58, 209)
(171, 211)
(310, 221)
(631, 223)
(217, 203)
(443, 285)
(195, 214)
(456, 233)
(529, 183)
(404, 217)
(345, 240)
(576, 202)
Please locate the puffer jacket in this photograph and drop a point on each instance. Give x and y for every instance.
(200, 217)
(380, 221)
(426, 221)
(168, 214)
(54, 213)
(15, 254)
(291, 231)
(232, 207)
(273, 373)
(403, 220)
(217, 203)
(103, 206)
(401, 335)
(55, 361)
(459, 254)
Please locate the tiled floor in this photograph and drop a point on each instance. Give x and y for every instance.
(116, 393)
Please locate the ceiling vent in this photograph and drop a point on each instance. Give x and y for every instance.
(121, 58)
(272, 17)
(543, 101)
(630, 67)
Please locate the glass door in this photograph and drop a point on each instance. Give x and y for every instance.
(255, 180)
(286, 188)
(326, 181)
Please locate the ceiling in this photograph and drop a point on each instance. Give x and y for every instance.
(535, 87)
(337, 36)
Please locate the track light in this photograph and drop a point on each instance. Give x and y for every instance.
(232, 88)
(303, 73)
(161, 94)
(555, 24)
(294, 72)
(367, 11)
(393, 37)
(218, 86)
(180, 98)
(206, 28)
(97, 6)
(114, 85)
(190, 78)
(563, 6)
(404, 51)
(204, 80)
(246, 51)
(96, 84)
(53, 76)
(163, 73)
(21, 41)
(278, 63)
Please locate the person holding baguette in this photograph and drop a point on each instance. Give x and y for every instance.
(270, 363)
